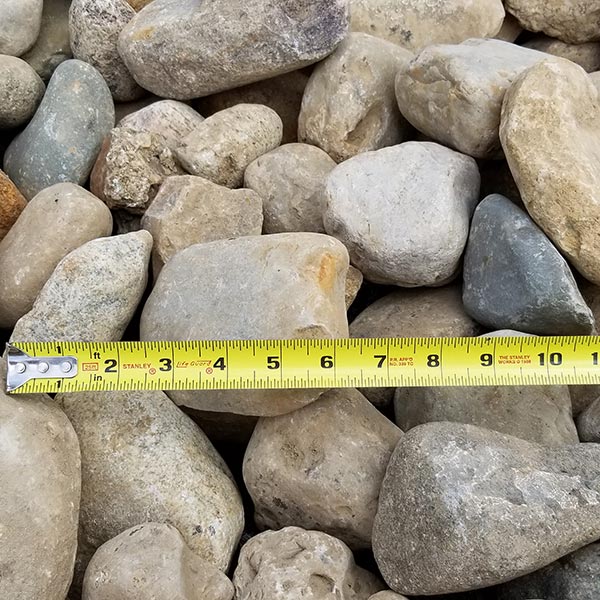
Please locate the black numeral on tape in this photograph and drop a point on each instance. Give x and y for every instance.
(433, 360)
(555, 359)
(381, 358)
(111, 365)
(166, 363)
(220, 363)
(487, 360)
(273, 362)
(327, 362)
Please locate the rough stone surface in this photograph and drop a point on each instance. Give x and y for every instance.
(79, 106)
(507, 251)
(336, 448)
(289, 180)
(585, 55)
(92, 294)
(288, 285)
(261, 40)
(191, 210)
(57, 220)
(454, 93)
(222, 146)
(411, 228)
(549, 131)
(21, 91)
(349, 105)
(313, 564)
(20, 25)
(12, 204)
(354, 281)
(497, 508)
(588, 423)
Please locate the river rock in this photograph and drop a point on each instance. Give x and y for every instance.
(411, 228)
(281, 286)
(349, 105)
(21, 91)
(585, 55)
(94, 27)
(20, 25)
(92, 294)
(12, 204)
(79, 106)
(312, 564)
(497, 508)
(222, 146)
(191, 210)
(336, 448)
(58, 220)
(550, 126)
(454, 93)
(289, 179)
(588, 423)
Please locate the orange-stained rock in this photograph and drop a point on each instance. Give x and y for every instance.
(12, 203)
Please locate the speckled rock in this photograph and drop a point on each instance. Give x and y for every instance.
(20, 25)
(588, 423)
(57, 220)
(289, 180)
(12, 204)
(21, 91)
(79, 106)
(222, 146)
(287, 285)
(354, 281)
(349, 105)
(585, 55)
(92, 294)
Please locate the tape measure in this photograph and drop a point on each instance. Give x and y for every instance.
(315, 363)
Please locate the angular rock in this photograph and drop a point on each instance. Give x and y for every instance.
(12, 204)
(354, 281)
(586, 55)
(336, 448)
(79, 106)
(56, 221)
(289, 180)
(497, 508)
(312, 564)
(588, 423)
(20, 25)
(92, 294)
(288, 285)
(411, 228)
(261, 40)
(349, 105)
(21, 91)
(222, 146)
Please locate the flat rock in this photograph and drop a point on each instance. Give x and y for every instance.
(349, 104)
(261, 40)
(21, 91)
(222, 146)
(56, 221)
(313, 565)
(281, 286)
(411, 228)
(79, 106)
(20, 26)
(588, 423)
(497, 508)
(12, 204)
(289, 180)
(585, 55)
(92, 294)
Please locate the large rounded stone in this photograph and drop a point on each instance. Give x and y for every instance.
(21, 91)
(12, 204)
(20, 25)
(585, 55)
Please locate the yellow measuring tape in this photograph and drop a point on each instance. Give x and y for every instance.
(276, 364)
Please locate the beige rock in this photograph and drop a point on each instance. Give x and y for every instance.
(190, 210)
(550, 131)
(223, 145)
(289, 180)
(56, 221)
(349, 104)
(585, 55)
(510, 30)
(354, 282)
(595, 78)
(12, 204)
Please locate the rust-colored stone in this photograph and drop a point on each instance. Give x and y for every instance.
(12, 203)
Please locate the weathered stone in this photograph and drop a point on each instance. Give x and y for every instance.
(497, 508)
(92, 294)
(588, 423)
(288, 285)
(21, 91)
(222, 146)
(549, 131)
(510, 30)
(94, 27)
(336, 448)
(289, 180)
(79, 106)
(131, 167)
(411, 228)
(354, 281)
(586, 55)
(20, 25)
(312, 565)
(12, 204)
(58, 220)
(261, 40)
(349, 105)
(191, 210)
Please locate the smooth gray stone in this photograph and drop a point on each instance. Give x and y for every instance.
(514, 278)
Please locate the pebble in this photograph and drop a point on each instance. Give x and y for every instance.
(62, 140)
(261, 40)
(92, 294)
(588, 423)
(222, 146)
(280, 286)
(21, 91)
(411, 226)
(56, 221)
(289, 179)
(349, 105)
(586, 55)
(12, 204)
(497, 508)
(336, 448)
(20, 25)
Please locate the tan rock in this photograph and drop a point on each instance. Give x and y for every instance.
(585, 55)
(510, 30)
(12, 203)
(354, 282)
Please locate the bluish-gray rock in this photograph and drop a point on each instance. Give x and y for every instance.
(514, 278)
(64, 137)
